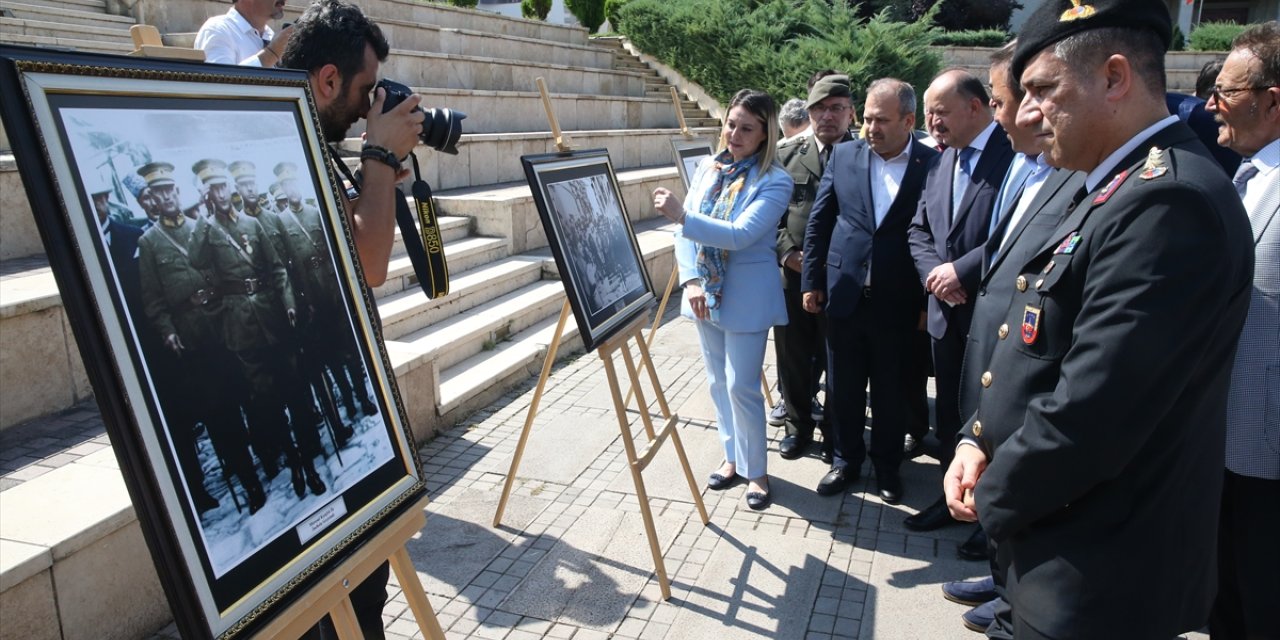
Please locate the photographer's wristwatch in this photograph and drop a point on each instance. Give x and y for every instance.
(381, 154)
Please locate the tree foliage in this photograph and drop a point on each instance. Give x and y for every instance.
(775, 45)
(535, 9)
(953, 15)
(590, 13)
(1214, 36)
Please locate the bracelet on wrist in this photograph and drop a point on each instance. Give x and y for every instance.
(380, 154)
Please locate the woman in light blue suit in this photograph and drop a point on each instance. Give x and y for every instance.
(732, 286)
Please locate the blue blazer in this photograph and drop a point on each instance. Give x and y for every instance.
(751, 299)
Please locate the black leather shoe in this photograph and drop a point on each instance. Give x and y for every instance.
(717, 482)
(758, 501)
(975, 548)
(837, 480)
(889, 486)
(828, 456)
(794, 446)
(936, 516)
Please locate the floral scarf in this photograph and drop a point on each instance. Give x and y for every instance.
(717, 203)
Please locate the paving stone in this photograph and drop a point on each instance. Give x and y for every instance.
(562, 445)
(664, 478)
(905, 599)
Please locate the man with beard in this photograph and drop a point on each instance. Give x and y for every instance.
(1095, 456)
(182, 306)
(340, 49)
(242, 36)
(258, 314)
(858, 269)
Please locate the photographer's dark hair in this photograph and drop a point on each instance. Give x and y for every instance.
(333, 32)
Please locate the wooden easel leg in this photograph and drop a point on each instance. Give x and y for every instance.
(647, 363)
(653, 331)
(642, 496)
(764, 384)
(550, 360)
(344, 621)
(658, 394)
(407, 576)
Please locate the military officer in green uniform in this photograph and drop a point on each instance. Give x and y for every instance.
(258, 314)
(278, 199)
(182, 306)
(327, 337)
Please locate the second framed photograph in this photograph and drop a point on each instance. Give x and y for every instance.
(203, 255)
(688, 153)
(591, 238)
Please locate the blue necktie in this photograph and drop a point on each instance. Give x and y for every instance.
(1246, 171)
(961, 179)
(1014, 181)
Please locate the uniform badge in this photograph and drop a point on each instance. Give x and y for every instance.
(1068, 245)
(1111, 187)
(1030, 325)
(248, 248)
(1077, 11)
(1155, 166)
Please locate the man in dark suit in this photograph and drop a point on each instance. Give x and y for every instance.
(801, 343)
(857, 266)
(1094, 458)
(947, 236)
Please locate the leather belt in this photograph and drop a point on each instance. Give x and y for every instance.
(199, 299)
(247, 286)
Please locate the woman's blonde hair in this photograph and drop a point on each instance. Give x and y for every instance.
(762, 106)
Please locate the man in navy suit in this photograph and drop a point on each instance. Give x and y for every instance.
(858, 267)
(947, 237)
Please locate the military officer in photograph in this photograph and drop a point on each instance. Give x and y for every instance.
(245, 176)
(1094, 458)
(258, 315)
(182, 306)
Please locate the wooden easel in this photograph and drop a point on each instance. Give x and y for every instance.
(636, 462)
(332, 597)
(675, 267)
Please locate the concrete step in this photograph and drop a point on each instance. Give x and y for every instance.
(410, 310)
(18, 235)
(481, 329)
(493, 158)
(461, 255)
(64, 14)
(450, 71)
(522, 111)
(92, 6)
(508, 210)
(482, 378)
(46, 42)
(452, 229)
(112, 34)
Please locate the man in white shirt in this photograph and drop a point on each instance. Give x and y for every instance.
(1246, 103)
(242, 35)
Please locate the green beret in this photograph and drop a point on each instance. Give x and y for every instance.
(829, 87)
(1057, 20)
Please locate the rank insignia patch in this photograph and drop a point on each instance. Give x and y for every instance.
(1068, 245)
(1155, 166)
(1030, 325)
(1111, 187)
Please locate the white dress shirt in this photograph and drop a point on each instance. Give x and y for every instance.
(230, 39)
(1039, 173)
(1267, 180)
(886, 178)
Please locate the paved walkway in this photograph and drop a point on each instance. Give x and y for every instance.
(571, 560)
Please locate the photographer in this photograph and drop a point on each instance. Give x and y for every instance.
(340, 49)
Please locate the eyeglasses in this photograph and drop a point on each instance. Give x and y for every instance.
(838, 109)
(1219, 93)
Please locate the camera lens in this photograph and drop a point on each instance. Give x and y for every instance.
(441, 128)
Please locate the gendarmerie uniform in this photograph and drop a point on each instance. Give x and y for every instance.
(1103, 402)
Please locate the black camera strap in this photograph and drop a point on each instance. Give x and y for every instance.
(422, 240)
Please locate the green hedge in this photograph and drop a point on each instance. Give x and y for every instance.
(535, 9)
(1214, 36)
(775, 45)
(974, 38)
(590, 13)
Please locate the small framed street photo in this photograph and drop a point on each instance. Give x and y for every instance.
(592, 240)
(688, 153)
(206, 266)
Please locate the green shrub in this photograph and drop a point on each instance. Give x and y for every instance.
(775, 45)
(611, 8)
(1214, 36)
(535, 9)
(590, 13)
(976, 38)
(953, 15)
(463, 3)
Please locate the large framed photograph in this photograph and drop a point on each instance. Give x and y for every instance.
(206, 266)
(688, 153)
(591, 238)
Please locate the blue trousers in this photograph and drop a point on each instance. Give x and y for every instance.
(733, 362)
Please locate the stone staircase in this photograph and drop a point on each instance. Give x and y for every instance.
(451, 355)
